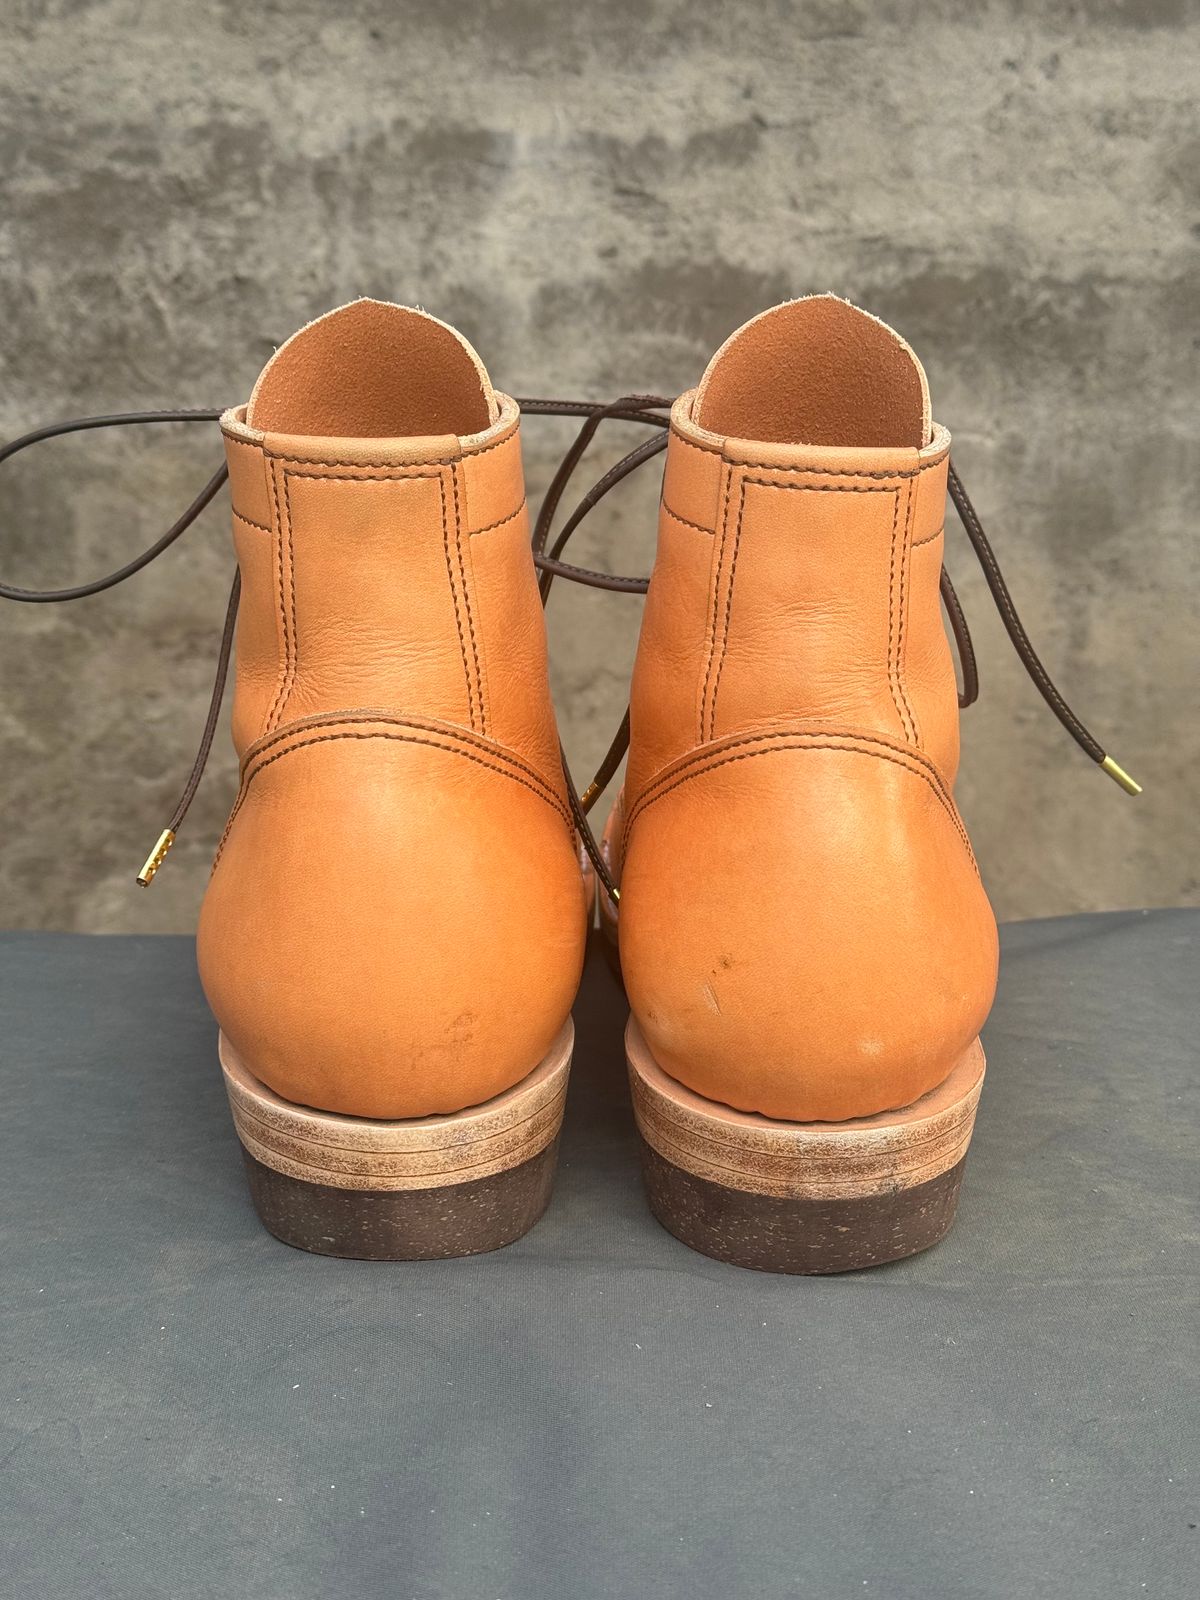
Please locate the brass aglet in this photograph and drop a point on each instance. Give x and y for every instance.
(588, 798)
(156, 857)
(1118, 775)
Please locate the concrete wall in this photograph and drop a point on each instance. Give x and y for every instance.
(597, 195)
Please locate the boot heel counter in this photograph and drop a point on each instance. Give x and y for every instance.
(804, 933)
(391, 962)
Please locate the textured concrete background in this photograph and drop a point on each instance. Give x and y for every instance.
(597, 195)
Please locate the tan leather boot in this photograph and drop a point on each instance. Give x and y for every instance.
(394, 929)
(808, 949)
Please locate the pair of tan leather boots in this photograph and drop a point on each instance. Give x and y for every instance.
(395, 926)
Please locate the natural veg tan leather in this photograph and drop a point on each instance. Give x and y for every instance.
(803, 930)
(395, 922)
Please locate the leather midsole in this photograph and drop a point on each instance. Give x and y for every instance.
(411, 1153)
(821, 1160)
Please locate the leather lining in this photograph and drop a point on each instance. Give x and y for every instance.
(372, 370)
(816, 371)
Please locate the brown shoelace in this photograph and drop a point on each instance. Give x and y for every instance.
(647, 408)
(650, 410)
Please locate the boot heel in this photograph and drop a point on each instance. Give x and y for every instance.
(802, 1197)
(409, 1190)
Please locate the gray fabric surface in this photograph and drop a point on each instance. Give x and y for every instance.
(188, 1408)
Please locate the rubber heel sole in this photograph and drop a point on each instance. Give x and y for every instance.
(411, 1190)
(798, 1197)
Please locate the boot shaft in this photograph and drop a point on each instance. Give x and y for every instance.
(384, 570)
(797, 584)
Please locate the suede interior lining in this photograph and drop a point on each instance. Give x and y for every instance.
(373, 370)
(816, 371)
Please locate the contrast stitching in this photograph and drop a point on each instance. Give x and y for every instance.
(462, 643)
(846, 472)
(291, 673)
(254, 766)
(499, 523)
(354, 718)
(902, 635)
(287, 681)
(399, 738)
(913, 764)
(825, 488)
(699, 526)
(821, 472)
(247, 446)
(737, 544)
(792, 488)
(893, 645)
(928, 539)
(439, 461)
(716, 603)
(482, 450)
(364, 477)
(448, 745)
(699, 755)
(249, 521)
(831, 488)
(277, 551)
(462, 574)
(704, 449)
